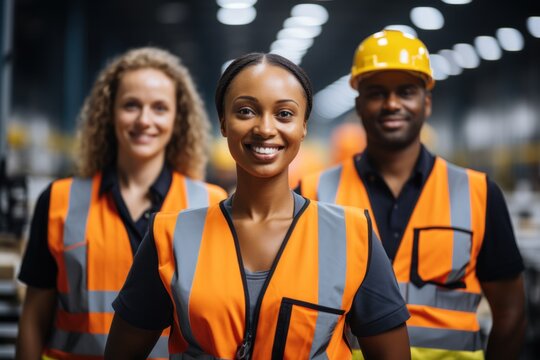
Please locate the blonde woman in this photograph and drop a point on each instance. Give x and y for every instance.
(142, 149)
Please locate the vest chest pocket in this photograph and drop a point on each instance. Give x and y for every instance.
(303, 329)
(440, 256)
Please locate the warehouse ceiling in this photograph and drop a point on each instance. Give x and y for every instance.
(52, 37)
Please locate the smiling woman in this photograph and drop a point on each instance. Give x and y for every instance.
(142, 145)
(267, 274)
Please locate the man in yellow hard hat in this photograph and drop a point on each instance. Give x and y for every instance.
(445, 228)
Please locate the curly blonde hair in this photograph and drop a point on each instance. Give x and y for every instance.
(187, 150)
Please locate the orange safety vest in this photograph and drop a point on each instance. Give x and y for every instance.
(306, 297)
(91, 247)
(435, 264)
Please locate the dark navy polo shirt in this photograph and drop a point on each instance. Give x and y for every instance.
(38, 267)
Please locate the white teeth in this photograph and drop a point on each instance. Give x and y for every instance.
(265, 150)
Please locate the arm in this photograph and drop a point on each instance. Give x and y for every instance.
(139, 319)
(129, 342)
(390, 345)
(499, 269)
(35, 322)
(378, 314)
(506, 299)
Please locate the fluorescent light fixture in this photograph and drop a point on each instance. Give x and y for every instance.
(293, 44)
(510, 39)
(427, 18)
(456, 2)
(292, 55)
(440, 66)
(403, 28)
(450, 57)
(314, 11)
(236, 4)
(533, 25)
(299, 32)
(236, 16)
(334, 100)
(488, 48)
(466, 56)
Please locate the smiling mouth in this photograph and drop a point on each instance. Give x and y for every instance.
(264, 150)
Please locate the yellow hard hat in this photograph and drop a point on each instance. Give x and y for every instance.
(391, 50)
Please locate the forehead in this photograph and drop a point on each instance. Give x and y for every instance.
(391, 78)
(148, 77)
(266, 79)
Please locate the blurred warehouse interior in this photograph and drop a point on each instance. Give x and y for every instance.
(486, 102)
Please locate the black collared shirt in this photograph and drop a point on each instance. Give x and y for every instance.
(392, 214)
(499, 257)
(38, 267)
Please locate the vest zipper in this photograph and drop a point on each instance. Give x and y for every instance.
(245, 349)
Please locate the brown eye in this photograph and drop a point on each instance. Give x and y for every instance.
(285, 114)
(130, 105)
(160, 107)
(245, 112)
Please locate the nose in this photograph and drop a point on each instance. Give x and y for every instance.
(392, 102)
(265, 126)
(145, 117)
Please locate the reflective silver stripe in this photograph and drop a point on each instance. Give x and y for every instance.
(161, 349)
(460, 210)
(75, 251)
(98, 301)
(456, 340)
(435, 296)
(328, 184)
(187, 241)
(332, 274)
(197, 194)
(94, 344)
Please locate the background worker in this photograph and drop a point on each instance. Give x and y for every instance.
(142, 148)
(446, 229)
(267, 274)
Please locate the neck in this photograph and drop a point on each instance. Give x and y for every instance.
(394, 162)
(395, 167)
(133, 173)
(262, 198)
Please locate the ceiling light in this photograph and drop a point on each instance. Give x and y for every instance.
(236, 16)
(236, 4)
(510, 39)
(456, 2)
(440, 66)
(450, 57)
(292, 55)
(466, 56)
(403, 28)
(294, 44)
(427, 18)
(533, 25)
(316, 12)
(299, 32)
(487, 48)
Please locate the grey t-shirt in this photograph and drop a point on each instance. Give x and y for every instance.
(255, 281)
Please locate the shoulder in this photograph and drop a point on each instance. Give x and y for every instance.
(214, 191)
(352, 217)
(476, 178)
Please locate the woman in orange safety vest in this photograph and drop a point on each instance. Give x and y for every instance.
(266, 274)
(142, 149)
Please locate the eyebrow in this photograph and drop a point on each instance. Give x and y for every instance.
(251, 98)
